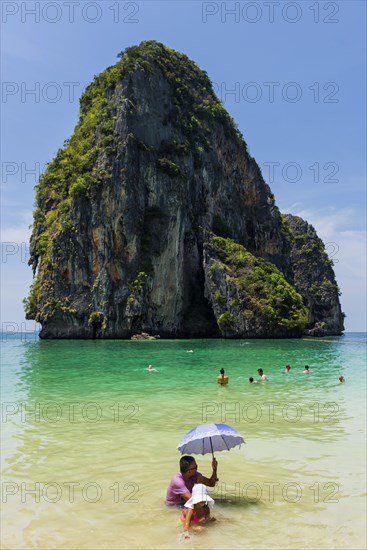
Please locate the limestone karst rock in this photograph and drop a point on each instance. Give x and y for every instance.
(314, 279)
(129, 209)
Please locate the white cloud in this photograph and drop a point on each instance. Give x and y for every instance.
(346, 246)
(328, 221)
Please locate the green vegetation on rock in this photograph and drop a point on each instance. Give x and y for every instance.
(97, 319)
(136, 285)
(31, 303)
(262, 293)
(226, 321)
(169, 167)
(285, 229)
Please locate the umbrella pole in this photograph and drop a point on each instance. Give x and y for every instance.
(211, 444)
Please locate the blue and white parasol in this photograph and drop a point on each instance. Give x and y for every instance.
(209, 438)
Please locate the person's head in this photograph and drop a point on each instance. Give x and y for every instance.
(251, 380)
(188, 465)
(307, 367)
(221, 371)
(341, 378)
(260, 371)
(199, 504)
(150, 367)
(288, 367)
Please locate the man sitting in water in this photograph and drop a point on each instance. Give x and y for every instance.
(180, 487)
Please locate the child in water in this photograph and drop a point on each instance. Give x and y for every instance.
(196, 510)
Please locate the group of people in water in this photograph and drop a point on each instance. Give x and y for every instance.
(188, 488)
(223, 379)
(263, 377)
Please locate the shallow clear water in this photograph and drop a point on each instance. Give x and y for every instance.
(89, 442)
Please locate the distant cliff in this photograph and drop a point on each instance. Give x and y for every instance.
(153, 217)
(314, 278)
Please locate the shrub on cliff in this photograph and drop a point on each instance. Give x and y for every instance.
(257, 296)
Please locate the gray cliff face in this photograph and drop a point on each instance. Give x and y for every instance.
(314, 278)
(119, 244)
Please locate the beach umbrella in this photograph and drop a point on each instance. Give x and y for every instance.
(209, 438)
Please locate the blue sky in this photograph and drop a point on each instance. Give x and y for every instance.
(291, 74)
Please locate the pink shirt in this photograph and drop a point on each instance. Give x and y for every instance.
(179, 486)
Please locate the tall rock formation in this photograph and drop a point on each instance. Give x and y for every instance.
(314, 278)
(129, 213)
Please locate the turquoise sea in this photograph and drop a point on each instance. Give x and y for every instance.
(89, 442)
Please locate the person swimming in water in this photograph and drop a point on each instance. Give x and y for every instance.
(341, 379)
(151, 369)
(263, 376)
(307, 370)
(287, 369)
(221, 378)
(252, 381)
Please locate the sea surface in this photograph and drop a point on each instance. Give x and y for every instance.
(89, 442)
